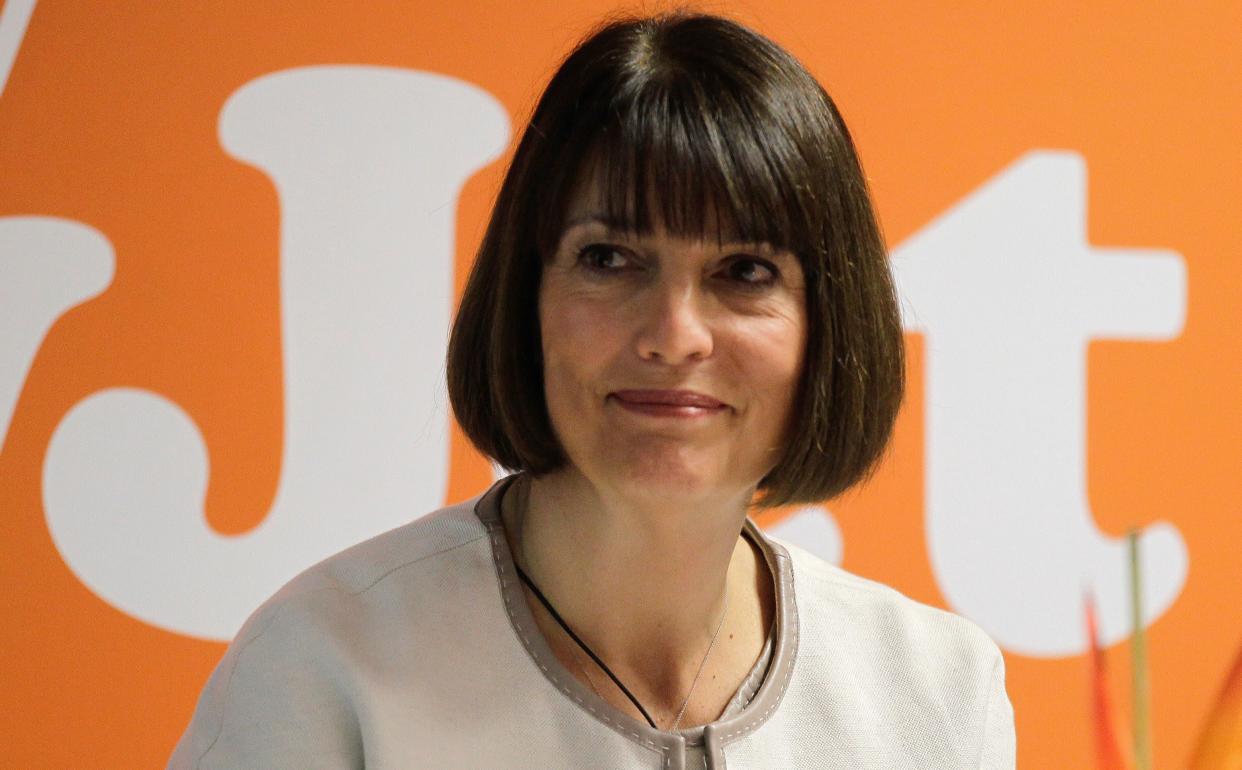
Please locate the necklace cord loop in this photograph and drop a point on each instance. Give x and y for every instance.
(525, 503)
(604, 667)
(557, 617)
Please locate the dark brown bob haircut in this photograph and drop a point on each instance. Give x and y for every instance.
(715, 124)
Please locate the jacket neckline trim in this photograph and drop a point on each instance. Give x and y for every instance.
(714, 735)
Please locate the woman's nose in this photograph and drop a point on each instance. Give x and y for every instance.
(674, 328)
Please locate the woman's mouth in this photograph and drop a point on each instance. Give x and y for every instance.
(668, 403)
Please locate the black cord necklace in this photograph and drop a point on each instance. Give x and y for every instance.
(604, 667)
(557, 617)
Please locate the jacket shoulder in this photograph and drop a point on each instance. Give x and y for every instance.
(359, 567)
(875, 609)
(932, 680)
(285, 692)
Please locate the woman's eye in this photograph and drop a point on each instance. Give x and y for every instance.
(751, 272)
(602, 258)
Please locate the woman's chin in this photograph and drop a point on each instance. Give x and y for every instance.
(663, 477)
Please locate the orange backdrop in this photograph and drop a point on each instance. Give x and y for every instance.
(109, 117)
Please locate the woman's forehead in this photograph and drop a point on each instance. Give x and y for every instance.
(588, 207)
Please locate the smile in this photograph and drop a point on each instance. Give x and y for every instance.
(668, 403)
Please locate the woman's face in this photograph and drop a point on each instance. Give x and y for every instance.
(670, 365)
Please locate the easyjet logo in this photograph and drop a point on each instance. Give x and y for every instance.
(367, 161)
(231, 246)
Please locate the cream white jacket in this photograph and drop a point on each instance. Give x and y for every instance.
(416, 649)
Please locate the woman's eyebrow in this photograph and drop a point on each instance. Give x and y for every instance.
(625, 229)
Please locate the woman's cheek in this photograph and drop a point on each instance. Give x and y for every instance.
(577, 337)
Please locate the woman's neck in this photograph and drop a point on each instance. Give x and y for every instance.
(645, 587)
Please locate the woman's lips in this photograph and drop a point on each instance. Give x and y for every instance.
(668, 403)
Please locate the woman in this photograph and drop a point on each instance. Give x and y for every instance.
(682, 303)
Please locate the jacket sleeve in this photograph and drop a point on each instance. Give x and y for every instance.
(275, 700)
(998, 749)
